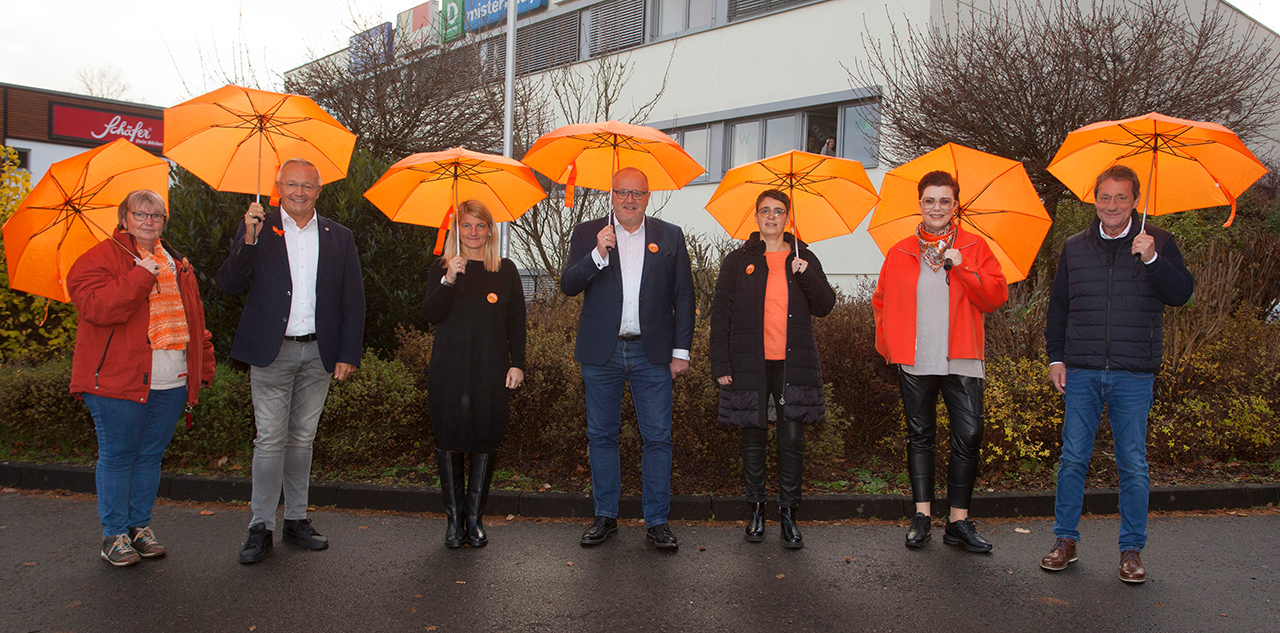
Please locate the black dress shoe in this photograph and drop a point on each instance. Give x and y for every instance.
(918, 535)
(963, 533)
(300, 532)
(601, 529)
(791, 537)
(257, 546)
(662, 537)
(755, 527)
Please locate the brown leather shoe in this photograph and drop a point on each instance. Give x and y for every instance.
(1131, 567)
(1062, 554)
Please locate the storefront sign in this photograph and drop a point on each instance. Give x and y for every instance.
(103, 126)
(371, 49)
(451, 13)
(416, 26)
(482, 13)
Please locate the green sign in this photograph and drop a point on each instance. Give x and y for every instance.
(451, 12)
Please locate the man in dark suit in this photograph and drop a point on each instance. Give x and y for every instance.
(302, 325)
(636, 326)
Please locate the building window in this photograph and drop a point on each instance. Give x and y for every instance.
(24, 158)
(678, 16)
(744, 143)
(741, 9)
(722, 145)
(696, 141)
(862, 133)
(614, 26)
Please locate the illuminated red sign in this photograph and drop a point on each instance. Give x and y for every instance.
(104, 126)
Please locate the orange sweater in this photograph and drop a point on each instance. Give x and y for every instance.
(977, 287)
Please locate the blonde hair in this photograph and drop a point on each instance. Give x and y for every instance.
(492, 261)
(138, 198)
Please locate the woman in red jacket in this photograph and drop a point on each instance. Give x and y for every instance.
(933, 289)
(142, 353)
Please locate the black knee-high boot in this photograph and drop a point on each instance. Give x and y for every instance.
(452, 487)
(478, 478)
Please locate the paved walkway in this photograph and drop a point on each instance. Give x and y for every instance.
(391, 572)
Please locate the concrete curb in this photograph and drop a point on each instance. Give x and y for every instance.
(816, 507)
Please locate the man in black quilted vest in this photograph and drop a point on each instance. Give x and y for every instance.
(1104, 336)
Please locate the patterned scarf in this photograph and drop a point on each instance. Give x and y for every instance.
(168, 327)
(933, 245)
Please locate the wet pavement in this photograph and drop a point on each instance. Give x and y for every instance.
(391, 572)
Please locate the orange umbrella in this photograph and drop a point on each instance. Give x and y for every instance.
(425, 188)
(72, 208)
(829, 196)
(1186, 164)
(588, 154)
(235, 138)
(997, 201)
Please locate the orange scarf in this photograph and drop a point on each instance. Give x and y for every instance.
(168, 326)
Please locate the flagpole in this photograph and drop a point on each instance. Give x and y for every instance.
(508, 115)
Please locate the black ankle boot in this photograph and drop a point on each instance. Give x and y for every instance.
(452, 488)
(791, 538)
(478, 479)
(755, 527)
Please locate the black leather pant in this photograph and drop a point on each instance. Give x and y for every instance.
(790, 448)
(963, 397)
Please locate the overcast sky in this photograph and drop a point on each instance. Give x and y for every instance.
(168, 50)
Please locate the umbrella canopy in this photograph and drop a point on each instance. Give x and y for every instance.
(423, 188)
(72, 208)
(997, 201)
(588, 154)
(1186, 164)
(235, 138)
(830, 196)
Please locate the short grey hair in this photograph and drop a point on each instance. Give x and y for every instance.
(300, 161)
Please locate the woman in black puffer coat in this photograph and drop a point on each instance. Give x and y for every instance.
(764, 355)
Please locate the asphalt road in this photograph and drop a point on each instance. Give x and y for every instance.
(391, 572)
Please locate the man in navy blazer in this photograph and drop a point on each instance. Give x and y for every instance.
(636, 326)
(302, 326)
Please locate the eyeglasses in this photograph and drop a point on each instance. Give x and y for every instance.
(772, 213)
(941, 203)
(143, 217)
(294, 186)
(634, 194)
(1120, 199)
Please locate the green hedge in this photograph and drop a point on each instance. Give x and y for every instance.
(1221, 406)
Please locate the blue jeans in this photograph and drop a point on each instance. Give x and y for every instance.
(1127, 397)
(132, 438)
(651, 392)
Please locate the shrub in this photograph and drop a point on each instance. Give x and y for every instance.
(377, 416)
(40, 415)
(221, 424)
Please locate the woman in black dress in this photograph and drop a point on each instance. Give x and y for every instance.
(476, 301)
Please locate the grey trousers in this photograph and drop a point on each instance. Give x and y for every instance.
(288, 397)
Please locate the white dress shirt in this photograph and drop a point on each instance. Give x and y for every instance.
(302, 243)
(631, 248)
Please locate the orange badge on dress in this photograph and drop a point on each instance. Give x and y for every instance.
(653, 248)
(279, 231)
(751, 268)
(493, 298)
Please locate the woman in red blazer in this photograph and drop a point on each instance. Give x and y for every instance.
(933, 289)
(142, 354)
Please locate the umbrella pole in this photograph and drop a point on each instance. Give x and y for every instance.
(1146, 200)
(257, 196)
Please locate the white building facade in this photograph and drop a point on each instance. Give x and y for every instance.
(747, 79)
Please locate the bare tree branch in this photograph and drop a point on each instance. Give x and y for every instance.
(1015, 82)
